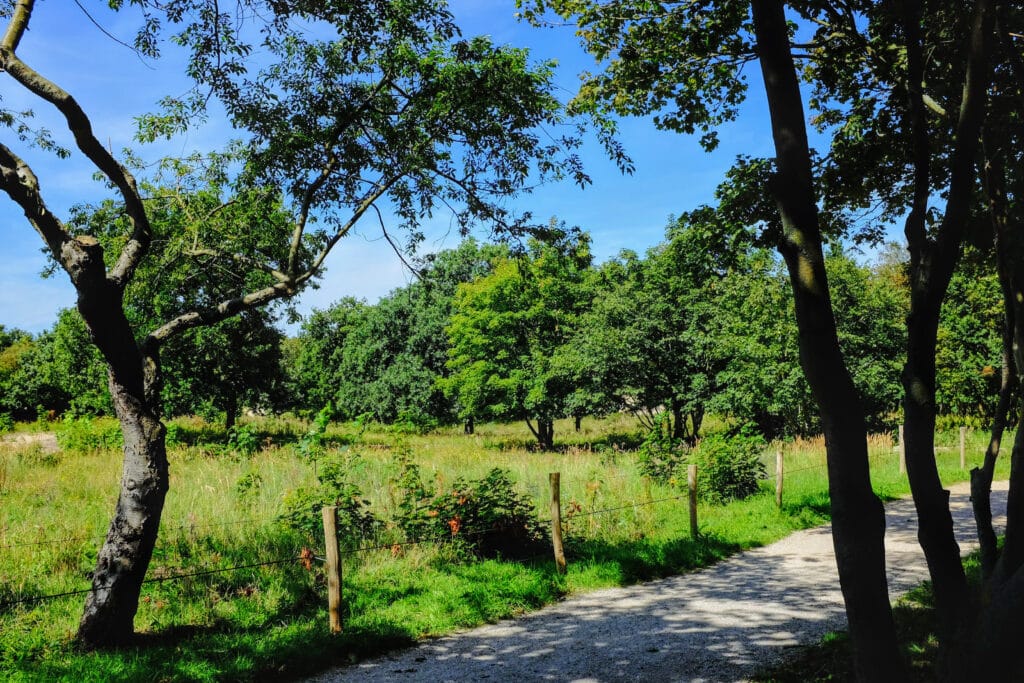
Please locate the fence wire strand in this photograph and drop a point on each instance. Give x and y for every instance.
(440, 539)
(156, 579)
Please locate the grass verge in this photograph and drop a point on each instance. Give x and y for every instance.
(269, 621)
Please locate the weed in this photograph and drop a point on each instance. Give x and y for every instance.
(487, 515)
(729, 467)
(243, 439)
(303, 506)
(660, 455)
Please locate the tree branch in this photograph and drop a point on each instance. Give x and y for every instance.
(80, 126)
(243, 260)
(215, 314)
(20, 183)
(363, 207)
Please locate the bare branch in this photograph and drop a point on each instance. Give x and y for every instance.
(215, 314)
(81, 127)
(932, 104)
(363, 207)
(394, 247)
(304, 209)
(243, 260)
(17, 26)
(20, 183)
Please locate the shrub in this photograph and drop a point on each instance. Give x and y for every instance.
(487, 515)
(243, 439)
(6, 423)
(303, 506)
(660, 455)
(87, 434)
(311, 445)
(729, 467)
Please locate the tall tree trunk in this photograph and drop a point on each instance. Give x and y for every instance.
(134, 380)
(547, 434)
(678, 423)
(858, 520)
(994, 182)
(697, 418)
(932, 262)
(124, 558)
(544, 433)
(230, 410)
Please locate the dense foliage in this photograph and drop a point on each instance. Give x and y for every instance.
(666, 336)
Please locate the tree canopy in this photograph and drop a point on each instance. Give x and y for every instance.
(383, 101)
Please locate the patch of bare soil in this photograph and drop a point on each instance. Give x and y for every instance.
(45, 441)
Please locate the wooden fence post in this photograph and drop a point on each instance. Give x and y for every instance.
(691, 484)
(556, 520)
(778, 478)
(963, 448)
(903, 453)
(332, 566)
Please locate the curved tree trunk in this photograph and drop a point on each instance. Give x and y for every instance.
(124, 558)
(933, 258)
(858, 520)
(994, 181)
(134, 380)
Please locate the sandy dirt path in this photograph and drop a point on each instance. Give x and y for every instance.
(722, 623)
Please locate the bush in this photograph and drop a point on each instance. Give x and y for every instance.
(660, 455)
(88, 434)
(303, 506)
(729, 467)
(243, 439)
(6, 423)
(487, 515)
(952, 423)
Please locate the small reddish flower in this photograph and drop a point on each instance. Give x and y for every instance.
(306, 558)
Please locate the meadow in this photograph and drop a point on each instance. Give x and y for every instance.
(227, 597)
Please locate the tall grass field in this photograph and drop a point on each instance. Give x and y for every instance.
(235, 590)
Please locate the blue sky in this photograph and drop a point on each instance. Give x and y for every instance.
(673, 174)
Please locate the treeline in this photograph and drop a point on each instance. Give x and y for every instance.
(696, 325)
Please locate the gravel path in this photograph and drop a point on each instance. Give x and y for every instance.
(722, 623)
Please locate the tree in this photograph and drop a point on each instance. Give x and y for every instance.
(313, 361)
(878, 96)
(56, 372)
(395, 106)
(395, 358)
(212, 368)
(650, 340)
(969, 342)
(507, 329)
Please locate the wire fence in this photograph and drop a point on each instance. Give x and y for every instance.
(304, 556)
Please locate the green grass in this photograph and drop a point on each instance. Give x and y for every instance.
(270, 621)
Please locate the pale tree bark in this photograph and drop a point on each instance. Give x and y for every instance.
(858, 521)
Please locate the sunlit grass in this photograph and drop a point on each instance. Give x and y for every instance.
(270, 620)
